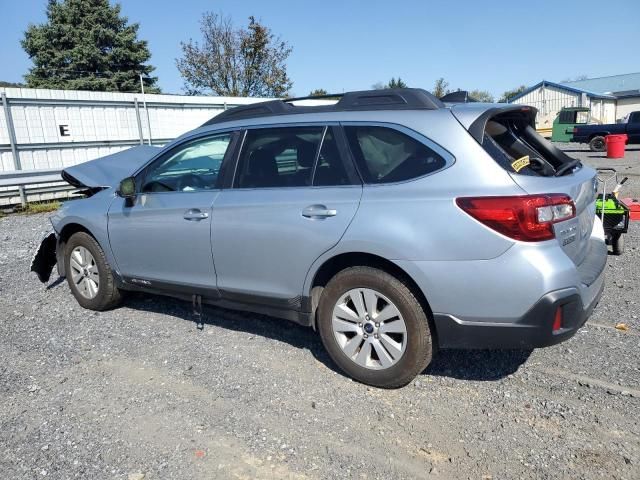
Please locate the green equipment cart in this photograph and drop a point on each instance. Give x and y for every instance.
(566, 119)
(613, 212)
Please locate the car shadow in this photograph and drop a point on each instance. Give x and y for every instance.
(478, 365)
(251, 323)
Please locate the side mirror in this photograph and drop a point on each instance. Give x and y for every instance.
(127, 188)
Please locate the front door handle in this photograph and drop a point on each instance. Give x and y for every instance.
(194, 214)
(318, 211)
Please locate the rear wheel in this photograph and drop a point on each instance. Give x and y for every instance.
(89, 275)
(597, 144)
(617, 242)
(374, 328)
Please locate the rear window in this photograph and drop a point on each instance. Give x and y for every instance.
(517, 148)
(385, 155)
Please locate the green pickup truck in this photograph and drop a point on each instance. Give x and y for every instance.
(566, 120)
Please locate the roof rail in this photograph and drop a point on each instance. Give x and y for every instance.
(382, 99)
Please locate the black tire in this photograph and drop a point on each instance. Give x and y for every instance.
(597, 144)
(418, 351)
(108, 295)
(617, 242)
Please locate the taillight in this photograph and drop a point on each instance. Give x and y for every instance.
(575, 130)
(528, 218)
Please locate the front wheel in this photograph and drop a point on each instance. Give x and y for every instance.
(89, 275)
(374, 328)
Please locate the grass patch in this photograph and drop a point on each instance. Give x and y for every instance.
(41, 207)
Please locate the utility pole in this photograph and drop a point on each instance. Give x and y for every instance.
(144, 104)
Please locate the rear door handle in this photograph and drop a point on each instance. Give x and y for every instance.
(318, 211)
(195, 214)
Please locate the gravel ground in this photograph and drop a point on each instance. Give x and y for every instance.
(139, 391)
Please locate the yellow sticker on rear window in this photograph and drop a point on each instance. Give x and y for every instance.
(520, 163)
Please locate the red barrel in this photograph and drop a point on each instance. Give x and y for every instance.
(615, 145)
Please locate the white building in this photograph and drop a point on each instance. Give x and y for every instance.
(608, 98)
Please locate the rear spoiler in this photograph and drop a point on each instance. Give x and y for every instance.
(476, 129)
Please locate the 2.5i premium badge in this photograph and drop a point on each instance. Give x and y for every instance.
(520, 163)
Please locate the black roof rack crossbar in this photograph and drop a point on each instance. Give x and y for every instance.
(383, 99)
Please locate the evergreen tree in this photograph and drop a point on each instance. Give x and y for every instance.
(399, 83)
(87, 45)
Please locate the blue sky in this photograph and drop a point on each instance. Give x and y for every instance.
(348, 45)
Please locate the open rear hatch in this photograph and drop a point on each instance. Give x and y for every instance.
(507, 133)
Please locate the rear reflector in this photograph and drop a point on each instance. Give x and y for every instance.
(557, 321)
(528, 218)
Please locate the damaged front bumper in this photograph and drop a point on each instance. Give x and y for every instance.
(46, 256)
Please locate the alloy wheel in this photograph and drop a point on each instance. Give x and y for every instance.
(84, 272)
(369, 328)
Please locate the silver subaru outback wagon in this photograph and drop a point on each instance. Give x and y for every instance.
(391, 223)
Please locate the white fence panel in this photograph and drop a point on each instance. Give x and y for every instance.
(59, 128)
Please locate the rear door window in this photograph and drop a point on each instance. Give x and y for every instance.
(386, 155)
(278, 157)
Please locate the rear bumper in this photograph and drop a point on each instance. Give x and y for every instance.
(533, 330)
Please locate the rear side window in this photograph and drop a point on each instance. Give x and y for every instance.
(278, 157)
(385, 155)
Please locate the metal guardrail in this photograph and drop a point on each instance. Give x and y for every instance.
(88, 143)
(21, 178)
(32, 183)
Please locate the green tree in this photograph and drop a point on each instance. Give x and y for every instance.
(247, 62)
(87, 45)
(506, 96)
(440, 89)
(318, 92)
(481, 96)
